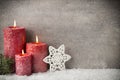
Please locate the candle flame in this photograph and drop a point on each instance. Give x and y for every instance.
(14, 23)
(36, 39)
(22, 52)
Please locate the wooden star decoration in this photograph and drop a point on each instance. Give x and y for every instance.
(57, 58)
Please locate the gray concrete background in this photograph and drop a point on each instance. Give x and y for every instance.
(90, 29)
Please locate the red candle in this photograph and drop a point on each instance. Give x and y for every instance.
(23, 63)
(14, 40)
(39, 52)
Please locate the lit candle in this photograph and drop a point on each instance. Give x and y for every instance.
(39, 52)
(14, 40)
(23, 63)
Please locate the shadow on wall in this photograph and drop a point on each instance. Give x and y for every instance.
(115, 5)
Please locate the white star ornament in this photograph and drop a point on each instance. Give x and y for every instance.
(57, 58)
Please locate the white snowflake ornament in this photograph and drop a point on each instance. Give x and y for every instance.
(57, 58)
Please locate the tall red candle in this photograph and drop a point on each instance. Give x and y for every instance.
(14, 40)
(39, 52)
(23, 64)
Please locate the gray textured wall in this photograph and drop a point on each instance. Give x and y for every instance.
(89, 28)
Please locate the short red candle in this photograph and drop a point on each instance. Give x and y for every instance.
(39, 52)
(23, 64)
(14, 40)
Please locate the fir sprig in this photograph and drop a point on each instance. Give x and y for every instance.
(6, 65)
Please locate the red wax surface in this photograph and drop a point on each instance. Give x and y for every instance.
(14, 41)
(23, 64)
(39, 52)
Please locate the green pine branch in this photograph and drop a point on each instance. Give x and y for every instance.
(6, 65)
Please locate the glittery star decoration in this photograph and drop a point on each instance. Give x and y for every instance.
(57, 58)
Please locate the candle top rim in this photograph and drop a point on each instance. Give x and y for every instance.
(11, 28)
(23, 55)
(15, 27)
(34, 43)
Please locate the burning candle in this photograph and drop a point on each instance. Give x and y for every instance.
(14, 40)
(23, 63)
(39, 52)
